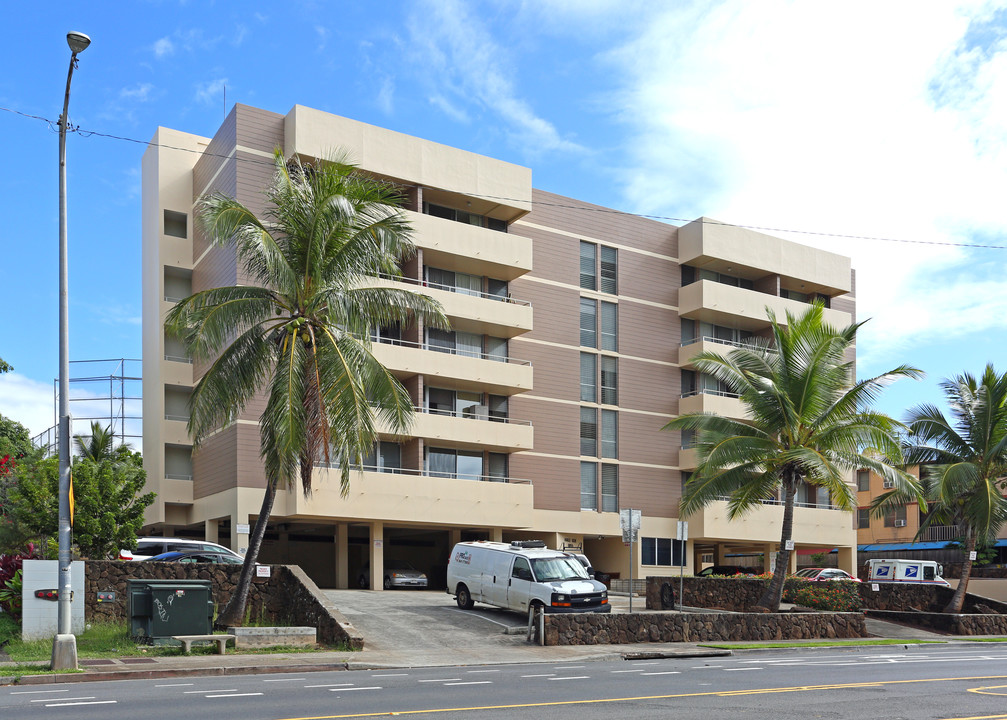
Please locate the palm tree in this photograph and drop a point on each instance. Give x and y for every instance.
(98, 446)
(809, 423)
(298, 331)
(963, 463)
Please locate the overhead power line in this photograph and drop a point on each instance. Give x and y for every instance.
(610, 211)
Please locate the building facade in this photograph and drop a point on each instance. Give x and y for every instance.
(538, 415)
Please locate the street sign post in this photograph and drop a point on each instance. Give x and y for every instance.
(682, 535)
(629, 521)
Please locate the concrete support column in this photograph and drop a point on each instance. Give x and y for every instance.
(377, 554)
(239, 541)
(284, 543)
(454, 537)
(342, 556)
(720, 554)
(211, 531)
(767, 557)
(496, 534)
(848, 560)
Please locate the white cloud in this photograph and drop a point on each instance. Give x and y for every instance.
(27, 401)
(141, 92)
(461, 58)
(449, 108)
(386, 96)
(164, 47)
(806, 116)
(208, 92)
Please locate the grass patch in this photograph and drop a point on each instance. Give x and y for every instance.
(819, 643)
(966, 638)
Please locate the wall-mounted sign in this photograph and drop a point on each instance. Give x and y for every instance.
(263, 571)
(243, 528)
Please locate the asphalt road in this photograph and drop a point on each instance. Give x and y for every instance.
(921, 682)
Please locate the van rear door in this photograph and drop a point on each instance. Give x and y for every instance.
(496, 578)
(521, 581)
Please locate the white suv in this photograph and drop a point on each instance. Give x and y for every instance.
(148, 547)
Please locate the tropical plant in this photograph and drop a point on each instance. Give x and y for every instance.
(96, 446)
(963, 464)
(299, 329)
(10, 594)
(108, 498)
(808, 422)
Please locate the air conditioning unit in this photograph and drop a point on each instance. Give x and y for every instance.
(900, 523)
(889, 484)
(480, 412)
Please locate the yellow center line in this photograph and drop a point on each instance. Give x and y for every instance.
(712, 693)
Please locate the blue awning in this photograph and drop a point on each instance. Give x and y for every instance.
(894, 547)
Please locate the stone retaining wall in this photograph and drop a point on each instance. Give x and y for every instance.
(287, 597)
(738, 595)
(905, 597)
(944, 623)
(598, 629)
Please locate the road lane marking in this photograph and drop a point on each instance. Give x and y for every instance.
(626, 671)
(539, 675)
(230, 695)
(284, 680)
(392, 675)
(645, 663)
(739, 669)
(348, 689)
(331, 685)
(711, 693)
(569, 667)
(440, 680)
(482, 671)
(665, 672)
(35, 692)
(472, 682)
(573, 677)
(177, 685)
(86, 697)
(92, 702)
(200, 692)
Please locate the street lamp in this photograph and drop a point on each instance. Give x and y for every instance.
(64, 646)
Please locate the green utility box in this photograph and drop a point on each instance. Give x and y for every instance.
(159, 609)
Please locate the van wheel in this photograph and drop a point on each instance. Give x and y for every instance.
(463, 598)
(537, 607)
(388, 583)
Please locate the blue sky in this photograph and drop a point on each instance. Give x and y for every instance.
(881, 120)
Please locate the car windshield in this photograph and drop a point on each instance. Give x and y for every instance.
(558, 568)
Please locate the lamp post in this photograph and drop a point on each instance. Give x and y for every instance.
(64, 646)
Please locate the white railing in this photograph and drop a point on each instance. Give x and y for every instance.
(468, 415)
(719, 341)
(455, 289)
(704, 391)
(175, 476)
(449, 351)
(421, 473)
(178, 358)
(179, 418)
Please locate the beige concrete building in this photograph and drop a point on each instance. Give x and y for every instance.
(508, 440)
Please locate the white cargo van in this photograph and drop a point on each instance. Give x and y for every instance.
(918, 572)
(520, 575)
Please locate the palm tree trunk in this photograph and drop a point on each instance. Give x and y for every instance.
(958, 599)
(233, 614)
(774, 593)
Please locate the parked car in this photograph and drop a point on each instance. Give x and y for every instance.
(822, 574)
(148, 547)
(395, 577)
(199, 556)
(726, 570)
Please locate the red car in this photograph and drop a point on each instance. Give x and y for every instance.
(821, 574)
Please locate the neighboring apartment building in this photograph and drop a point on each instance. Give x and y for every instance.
(539, 414)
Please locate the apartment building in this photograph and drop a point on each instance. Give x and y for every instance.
(538, 415)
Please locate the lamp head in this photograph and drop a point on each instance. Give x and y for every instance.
(77, 41)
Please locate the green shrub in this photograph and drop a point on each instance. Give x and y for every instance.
(834, 595)
(10, 595)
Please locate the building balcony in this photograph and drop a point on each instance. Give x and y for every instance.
(410, 497)
(764, 524)
(175, 489)
(470, 249)
(722, 304)
(175, 252)
(705, 243)
(479, 313)
(466, 432)
(708, 401)
(497, 376)
(692, 348)
(176, 370)
(175, 430)
(688, 459)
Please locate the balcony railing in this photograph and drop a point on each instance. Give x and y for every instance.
(941, 533)
(179, 418)
(449, 351)
(470, 415)
(776, 501)
(455, 289)
(421, 473)
(719, 341)
(718, 393)
(178, 358)
(176, 476)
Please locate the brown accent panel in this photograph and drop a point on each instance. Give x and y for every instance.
(259, 129)
(556, 312)
(769, 285)
(649, 332)
(642, 440)
(556, 480)
(557, 370)
(251, 472)
(214, 464)
(655, 491)
(412, 455)
(650, 387)
(557, 425)
(648, 278)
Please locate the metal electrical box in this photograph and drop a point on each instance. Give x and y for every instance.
(158, 609)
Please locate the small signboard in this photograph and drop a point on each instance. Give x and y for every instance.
(972, 555)
(629, 521)
(243, 528)
(682, 532)
(789, 545)
(263, 571)
(874, 587)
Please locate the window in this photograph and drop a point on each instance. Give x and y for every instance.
(459, 343)
(609, 434)
(521, 569)
(464, 216)
(686, 476)
(588, 486)
(663, 552)
(591, 270)
(455, 402)
(588, 323)
(384, 457)
(588, 431)
(863, 518)
(497, 467)
(496, 289)
(688, 439)
(863, 480)
(461, 464)
(175, 224)
(496, 349)
(588, 377)
(609, 326)
(588, 254)
(609, 380)
(609, 270)
(609, 488)
(498, 408)
(387, 334)
(896, 518)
